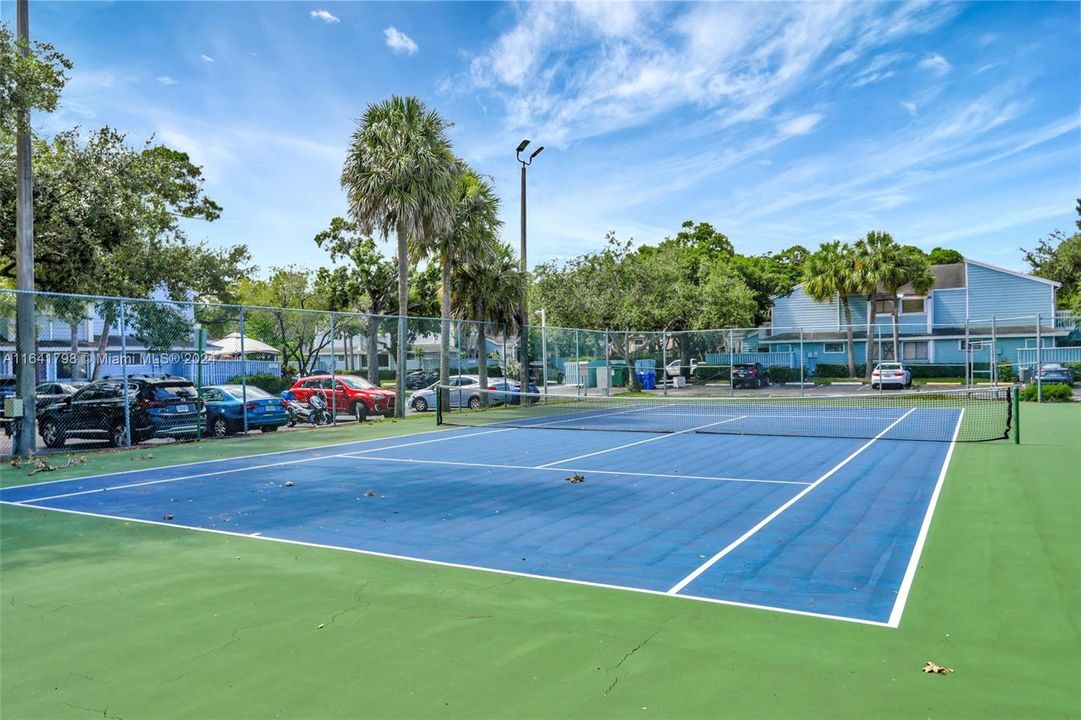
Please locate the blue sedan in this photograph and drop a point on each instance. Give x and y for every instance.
(509, 392)
(225, 410)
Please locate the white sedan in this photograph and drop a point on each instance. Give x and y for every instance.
(463, 393)
(891, 374)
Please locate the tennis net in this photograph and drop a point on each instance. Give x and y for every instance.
(968, 415)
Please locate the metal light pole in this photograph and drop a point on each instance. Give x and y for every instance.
(25, 327)
(525, 268)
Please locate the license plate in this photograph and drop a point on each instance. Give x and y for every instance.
(183, 408)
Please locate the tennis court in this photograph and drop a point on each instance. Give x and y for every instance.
(817, 509)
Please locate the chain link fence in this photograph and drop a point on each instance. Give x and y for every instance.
(122, 371)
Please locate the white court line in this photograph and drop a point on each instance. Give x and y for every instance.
(769, 518)
(575, 418)
(462, 566)
(917, 549)
(242, 469)
(559, 469)
(230, 459)
(639, 442)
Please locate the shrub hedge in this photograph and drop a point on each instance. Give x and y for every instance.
(273, 384)
(1051, 393)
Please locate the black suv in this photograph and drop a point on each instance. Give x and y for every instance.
(157, 406)
(754, 375)
(420, 379)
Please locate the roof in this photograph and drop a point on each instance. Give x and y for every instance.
(230, 345)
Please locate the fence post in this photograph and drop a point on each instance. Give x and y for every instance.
(1039, 359)
(607, 367)
(731, 365)
(968, 356)
(664, 361)
(994, 353)
(200, 347)
(124, 372)
(243, 374)
(578, 367)
(801, 362)
(333, 374)
(544, 353)
(1017, 414)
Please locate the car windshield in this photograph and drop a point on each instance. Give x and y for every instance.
(254, 393)
(357, 383)
(890, 366)
(171, 392)
(1053, 366)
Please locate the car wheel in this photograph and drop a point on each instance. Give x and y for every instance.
(420, 405)
(52, 435)
(474, 402)
(360, 411)
(219, 428)
(118, 436)
(269, 428)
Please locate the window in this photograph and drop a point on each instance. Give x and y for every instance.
(915, 350)
(213, 395)
(833, 347)
(913, 306)
(783, 349)
(884, 306)
(971, 345)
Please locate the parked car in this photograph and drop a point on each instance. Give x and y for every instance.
(464, 392)
(225, 409)
(164, 406)
(754, 375)
(1055, 373)
(346, 393)
(674, 368)
(891, 373)
(509, 392)
(50, 392)
(7, 389)
(421, 379)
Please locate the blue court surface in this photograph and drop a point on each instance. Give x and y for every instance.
(823, 526)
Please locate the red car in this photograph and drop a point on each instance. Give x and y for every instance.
(347, 393)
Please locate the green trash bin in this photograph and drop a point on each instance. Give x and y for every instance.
(619, 375)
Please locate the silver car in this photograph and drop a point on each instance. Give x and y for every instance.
(464, 392)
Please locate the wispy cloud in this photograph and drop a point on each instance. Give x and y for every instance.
(324, 15)
(936, 64)
(909, 107)
(166, 80)
(799, 125)
(206, 58)
(877, 70)
(399, 42)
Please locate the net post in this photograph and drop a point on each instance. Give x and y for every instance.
(438, 404)
(664, 361)
(243, 374)
(801, 362)
(1039, 359)
(578, 365)
(124, 372)
(333, 374)
(1016, 415)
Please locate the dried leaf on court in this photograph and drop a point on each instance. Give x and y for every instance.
(288, 483)
(370, 493)
(931, 667)
(575, 478)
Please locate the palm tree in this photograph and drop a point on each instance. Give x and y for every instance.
(911, 268)
(467, 241)
(398, 176)
(490, 292)
(829, 273)
(875, 258)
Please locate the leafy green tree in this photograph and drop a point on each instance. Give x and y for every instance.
(906, 268)
(28, 83)
(287, 316)
(1058, 257)
(399, 177)
(487, 289)
(830, 273)
(366, 281)
(945, 256)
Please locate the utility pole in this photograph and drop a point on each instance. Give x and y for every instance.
(25, 327)
(524, 350)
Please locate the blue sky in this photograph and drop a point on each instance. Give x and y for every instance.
(943, 123)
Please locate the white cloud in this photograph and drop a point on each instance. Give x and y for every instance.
(799, 125)
(936, 64)
(206, 58)
(323, 15)
(166, 80)
(877, 70)
(909, 106)
(399, 42)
